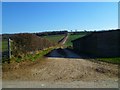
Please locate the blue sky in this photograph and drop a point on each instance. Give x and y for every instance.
(47, 16)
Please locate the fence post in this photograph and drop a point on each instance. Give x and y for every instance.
(9, 48)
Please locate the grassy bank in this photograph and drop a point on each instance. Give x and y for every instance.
(115, 60)
(31, 57)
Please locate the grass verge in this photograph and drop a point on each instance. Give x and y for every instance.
(115, 60)
(31, 57)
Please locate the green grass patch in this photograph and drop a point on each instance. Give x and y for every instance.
(73, 37)
(54, 38)
(31, 57)
(115, 60)
(4, 45)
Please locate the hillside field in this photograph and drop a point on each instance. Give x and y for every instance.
(54, 38)
(73, 37)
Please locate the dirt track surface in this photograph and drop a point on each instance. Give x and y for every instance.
(61, 72)
(63, 40)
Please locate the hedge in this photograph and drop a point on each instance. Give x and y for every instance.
(25, 43)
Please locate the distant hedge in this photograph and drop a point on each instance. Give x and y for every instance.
(24, 43)
(51, 33)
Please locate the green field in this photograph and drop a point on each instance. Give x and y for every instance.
(4, 45)
(110, 60)
(73, 37)
(54, 38)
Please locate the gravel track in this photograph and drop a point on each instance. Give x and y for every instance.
(61, 72)
(58, 72)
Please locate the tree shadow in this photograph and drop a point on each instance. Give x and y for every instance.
(70, 53)
(62, 53)
(56, 53)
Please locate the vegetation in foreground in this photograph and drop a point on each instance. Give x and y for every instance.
(31, 57)
(115, 60)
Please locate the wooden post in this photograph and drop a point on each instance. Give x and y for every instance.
(9, 48)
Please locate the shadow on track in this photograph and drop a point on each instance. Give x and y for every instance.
(62, 53)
